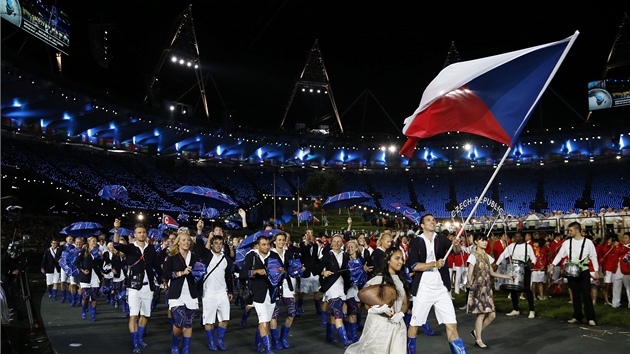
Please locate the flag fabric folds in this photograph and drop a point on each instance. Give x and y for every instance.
(169, 221)
(491, 97)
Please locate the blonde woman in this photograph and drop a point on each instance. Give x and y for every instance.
(182, 291)
(88, 262)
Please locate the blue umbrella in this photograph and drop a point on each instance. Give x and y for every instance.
(346, 199)
(122, 231)
(207, 197)
(209, 213)
(409, 213)
(83, 229)
(251, 239)
(232, 225)
(305, 216)
(155, 234)
(114, 191)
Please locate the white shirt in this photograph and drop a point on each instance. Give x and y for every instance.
(215, 282)
(430, 278)
(575, 247)
(185, 298)
(337, 290)
(517, 252)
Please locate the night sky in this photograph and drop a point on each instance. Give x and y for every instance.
(254, 51)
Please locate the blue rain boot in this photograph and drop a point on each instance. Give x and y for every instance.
(84, 309)
(141, 331)
(352, 332)
(71, 298)
(411, 345)
(63, 296)
(257, 341)
(457, 346)
(318, 307)
(427, 330)
(186, 345)
(93, 313)
(324, 315)
(284, 333)
(174, 344)
(50, 293)
(300, 303)
(210, 335)
(54, 294)
(344, 336)
(125, 308)
(134, 341)
(330, 333)
(244, 318)
(274, 339)
(220, 335)
(266, 342)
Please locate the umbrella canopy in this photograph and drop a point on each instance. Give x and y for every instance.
(122, 231)
(205, 196)
(83, 229)
(305, 216)
(114, 191)
(209, 213)
(232, 225)
(346, 199)
(409, 213)
(155, 234)
(251, 239)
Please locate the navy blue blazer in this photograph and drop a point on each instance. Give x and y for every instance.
(418, 254)
(84, 262)
(329, 262)
(176, 263)
(259, 284)
(50, 262)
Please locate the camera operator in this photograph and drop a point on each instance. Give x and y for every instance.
(10, 265)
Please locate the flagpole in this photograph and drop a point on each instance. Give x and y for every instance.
(472, 212)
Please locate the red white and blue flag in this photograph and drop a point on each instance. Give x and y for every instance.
(492, 96)
(169, 221)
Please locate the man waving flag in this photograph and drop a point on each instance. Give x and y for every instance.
(492, 96)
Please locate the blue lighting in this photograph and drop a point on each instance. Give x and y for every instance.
(16, 103)
(66, 116)
(259, 153)
(156, 132)
(622, 144)
(112, 125)
(219, 151)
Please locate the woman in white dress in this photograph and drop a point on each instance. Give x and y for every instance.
(384, 330)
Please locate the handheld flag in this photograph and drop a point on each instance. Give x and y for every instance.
(492, 96)
(169, 221)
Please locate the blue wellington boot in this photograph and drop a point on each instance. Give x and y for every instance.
(266, 342)
(330, 333)
(427, 330)
(284, 333)
(93, 313)
(141, 332)
(457, 346)
(210, 336)
(411, 345)
(175, 344)
(220, 335)
(344, 336)
(275, 336)
(186, 345)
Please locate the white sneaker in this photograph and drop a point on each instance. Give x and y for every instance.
(592, 323)
(532, 314)
(513, 313)
(572, 321)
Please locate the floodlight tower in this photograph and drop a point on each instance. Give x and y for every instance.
(314, 76)
(182, 50)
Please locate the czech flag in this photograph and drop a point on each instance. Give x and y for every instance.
(492, 96)
(169, 221)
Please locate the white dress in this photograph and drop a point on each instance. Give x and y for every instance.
(380, 335)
